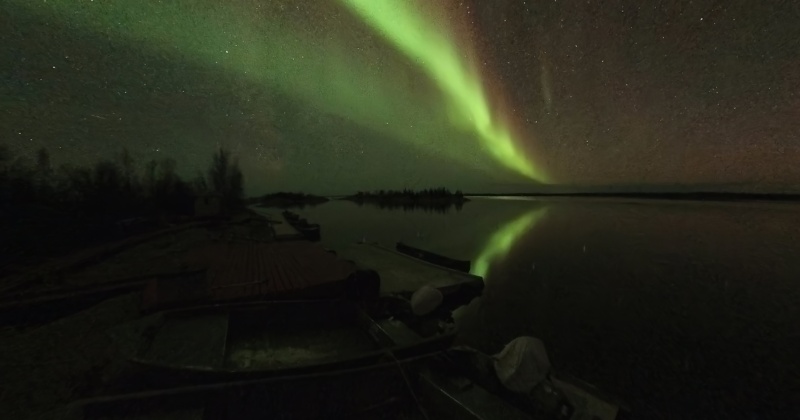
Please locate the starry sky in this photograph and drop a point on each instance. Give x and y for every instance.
(342, 95)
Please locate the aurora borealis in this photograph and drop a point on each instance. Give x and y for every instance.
(502, 241)
(337, 96)
(468, 103)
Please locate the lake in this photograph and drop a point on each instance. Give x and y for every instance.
(683, 309)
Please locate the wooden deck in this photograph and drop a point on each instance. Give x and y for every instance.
(243, 270)
(402, 273)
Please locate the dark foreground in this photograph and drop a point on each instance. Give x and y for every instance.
(241, 354)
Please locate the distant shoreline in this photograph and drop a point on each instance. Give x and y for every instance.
(427, 197)
(693, 196)
(407, 200)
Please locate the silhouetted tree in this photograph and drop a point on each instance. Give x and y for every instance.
(105, 191)
(199, 183)
(20, 181)
(5, 156)
(150, 179)
(5, 187)
(85, 204)
(43, 162)
(43, 176)
(128, 166)
(227, 179)
(236, 190)
(218, 173)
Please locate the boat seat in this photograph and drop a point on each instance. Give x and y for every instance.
(191, 341)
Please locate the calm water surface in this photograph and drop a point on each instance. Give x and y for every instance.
(684, 309)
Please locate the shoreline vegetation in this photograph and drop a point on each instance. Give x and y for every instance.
(287, 200)
(694, 195)
(47, 211)
(436, 199)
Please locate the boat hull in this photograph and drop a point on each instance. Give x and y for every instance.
(433, 258)
(463, 380)
(351, 393)
(264, 339)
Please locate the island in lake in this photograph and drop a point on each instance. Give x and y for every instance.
(437, 199)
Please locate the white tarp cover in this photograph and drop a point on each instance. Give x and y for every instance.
(522, 364)
(425, 300)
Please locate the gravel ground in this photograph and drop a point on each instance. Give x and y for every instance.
(71, 358)
(45, 367)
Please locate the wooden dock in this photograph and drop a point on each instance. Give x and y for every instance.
(402, 273)
(255, 270)
(282, 230)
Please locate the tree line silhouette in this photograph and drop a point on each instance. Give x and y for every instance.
(39, 203)
(429, 193)
(442, 207)
(439, 200)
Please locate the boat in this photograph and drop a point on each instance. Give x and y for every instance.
(402, 274)
(465, 383)
(456, 383)
(260, 339)
(290, 216)
(364, 392)
(310, 231)
(433, 258)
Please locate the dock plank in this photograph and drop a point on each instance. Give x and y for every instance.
(235, 270)
(402, 273)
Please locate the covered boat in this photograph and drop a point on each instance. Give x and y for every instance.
(460, 383)
(261, 339)
(516, 383)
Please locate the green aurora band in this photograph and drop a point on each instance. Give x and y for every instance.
(421, 41)
(503, 240)
(262, 44)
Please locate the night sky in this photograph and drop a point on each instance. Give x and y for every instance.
(344, 95)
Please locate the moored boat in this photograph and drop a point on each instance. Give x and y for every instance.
(433, 258)
(260, 339)
(310, 231)
(514, 384)
(459, 383)
(290, 216)
(364, 392)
